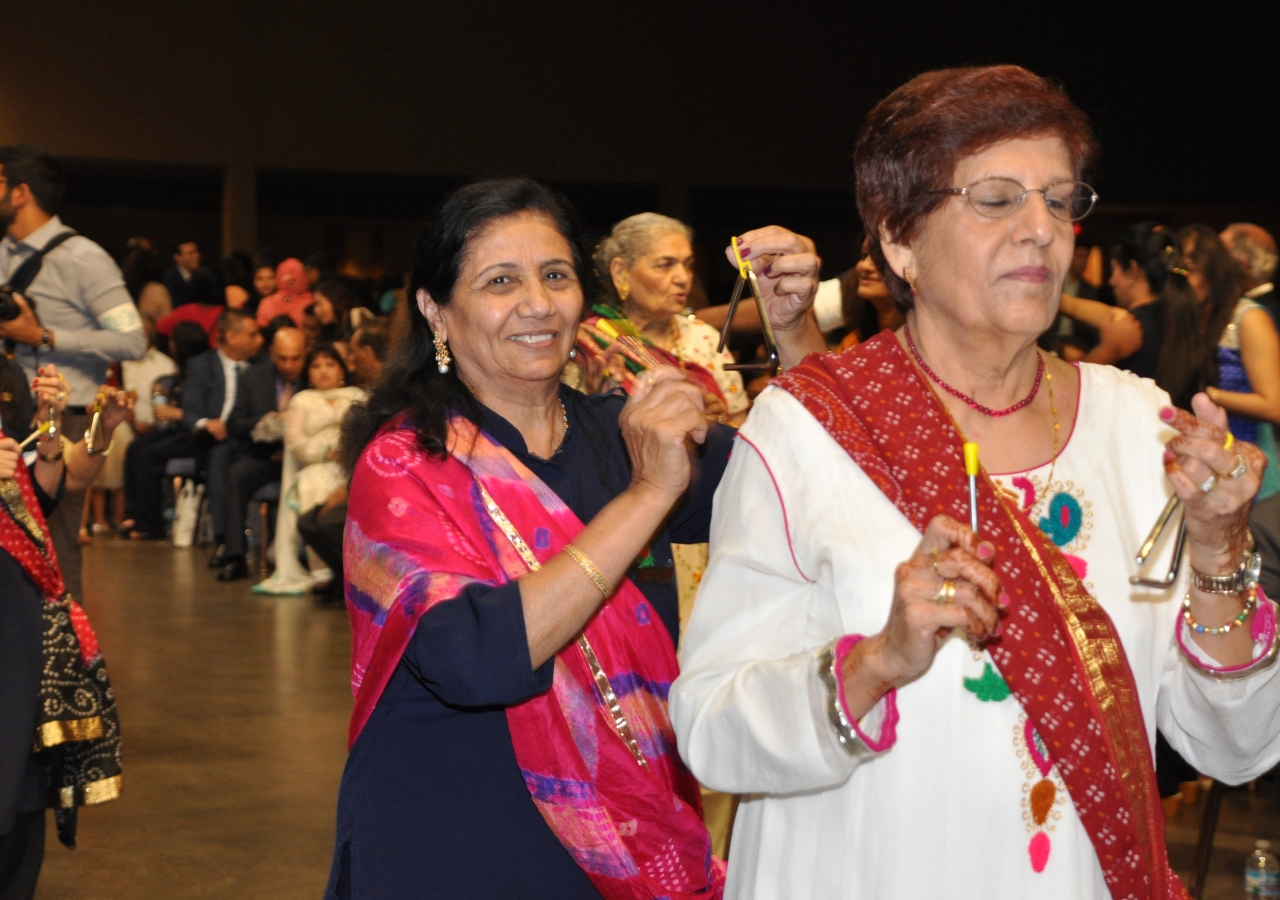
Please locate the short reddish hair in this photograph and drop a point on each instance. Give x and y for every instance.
(913, 140)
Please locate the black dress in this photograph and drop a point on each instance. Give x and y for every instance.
(1144, 360)
(23, 784)
(432, 803)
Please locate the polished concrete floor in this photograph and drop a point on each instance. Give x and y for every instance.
(234, 714)
(233, 709)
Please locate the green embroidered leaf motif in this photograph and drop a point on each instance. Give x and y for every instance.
(990, 688)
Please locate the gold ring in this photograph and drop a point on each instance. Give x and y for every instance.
(61, 395)
(946, 593)
(1240, 468)
(1231, 439)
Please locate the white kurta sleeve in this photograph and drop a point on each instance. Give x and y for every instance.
(1227, 729)
(750, 710)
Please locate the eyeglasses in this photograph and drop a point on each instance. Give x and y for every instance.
(995, 198)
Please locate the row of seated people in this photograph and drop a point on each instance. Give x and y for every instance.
(232, 408)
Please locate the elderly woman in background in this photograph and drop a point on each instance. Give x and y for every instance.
(893, 686)
(312, 428)
(646, 267)
(509, 580)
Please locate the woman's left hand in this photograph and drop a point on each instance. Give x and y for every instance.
(117, 408)
(787, 268)
(1216, 483)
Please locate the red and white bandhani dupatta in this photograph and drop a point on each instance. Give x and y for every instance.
(1081, 694)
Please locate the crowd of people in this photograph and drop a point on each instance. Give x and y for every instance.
(905, 604)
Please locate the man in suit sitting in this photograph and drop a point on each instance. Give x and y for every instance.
(208, 395)
(186, 260)
(256, 427)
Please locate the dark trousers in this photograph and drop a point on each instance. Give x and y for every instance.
(64, 521)
(21, 855)
(322, 532)
(247, 476)
(143, 473)
(217, 465)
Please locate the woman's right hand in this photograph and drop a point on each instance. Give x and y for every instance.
(918, 623)
(662, 414)
(9, 453)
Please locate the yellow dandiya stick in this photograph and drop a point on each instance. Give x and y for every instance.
(44, 426)
(971, 469)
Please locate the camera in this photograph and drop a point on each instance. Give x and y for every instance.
(9, 309)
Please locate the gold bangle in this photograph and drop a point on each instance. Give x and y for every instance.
(602, 584)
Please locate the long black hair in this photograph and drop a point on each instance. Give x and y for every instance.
(1155, 249)
(1202, 247)
(411, 381)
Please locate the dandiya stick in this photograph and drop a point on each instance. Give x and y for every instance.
(971, 469)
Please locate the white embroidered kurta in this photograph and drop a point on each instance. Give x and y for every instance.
(803, 549)
(698, 342)
(313, 424)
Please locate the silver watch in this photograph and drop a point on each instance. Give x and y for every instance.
(1242, 579)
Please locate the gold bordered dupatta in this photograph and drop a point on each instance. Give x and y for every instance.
(77, 731)
(1059, 653)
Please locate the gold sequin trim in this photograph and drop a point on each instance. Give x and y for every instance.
(620, 722)
(50, 734)
(11, 496)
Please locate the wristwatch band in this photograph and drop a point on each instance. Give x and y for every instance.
(1237, 582)
(52, 457)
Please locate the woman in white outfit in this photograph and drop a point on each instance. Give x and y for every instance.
(312, 428)
(919, 710)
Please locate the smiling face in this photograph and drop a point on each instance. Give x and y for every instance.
(514, 311)
(997, 275)
(871, 286)
(658, 283)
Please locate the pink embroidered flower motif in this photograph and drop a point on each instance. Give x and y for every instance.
(1041, 797)
(397, 506)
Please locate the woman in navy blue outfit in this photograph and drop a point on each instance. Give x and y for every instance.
(433, 802)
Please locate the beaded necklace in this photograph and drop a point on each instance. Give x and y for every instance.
(974, 404)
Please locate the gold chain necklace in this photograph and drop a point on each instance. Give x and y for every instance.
(564, 418)
(1053, 462)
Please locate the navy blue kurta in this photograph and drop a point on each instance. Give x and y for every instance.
(432, 803)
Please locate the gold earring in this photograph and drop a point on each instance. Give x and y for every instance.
(906, 275)
(442, 355)
(623, 293)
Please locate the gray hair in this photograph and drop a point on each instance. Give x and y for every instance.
(1258, 256)
(629, 240)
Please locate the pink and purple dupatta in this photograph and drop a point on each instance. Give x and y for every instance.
(418, 531)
